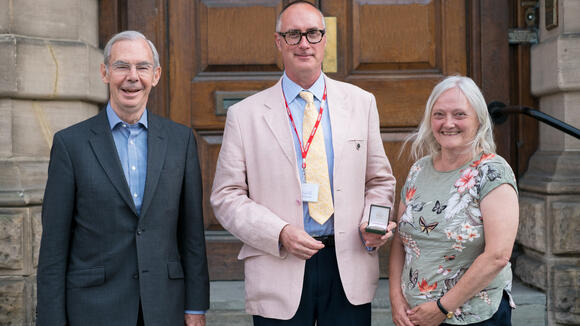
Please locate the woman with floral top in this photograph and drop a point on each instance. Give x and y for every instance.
(458, 218)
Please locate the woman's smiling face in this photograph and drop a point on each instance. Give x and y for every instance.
(454, 122)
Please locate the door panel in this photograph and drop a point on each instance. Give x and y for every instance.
(377, 37)
(234, 48)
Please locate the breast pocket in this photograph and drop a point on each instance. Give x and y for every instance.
(354, 156)
(357, 144)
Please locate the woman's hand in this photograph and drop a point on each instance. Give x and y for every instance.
(426, 314)
(399, 309)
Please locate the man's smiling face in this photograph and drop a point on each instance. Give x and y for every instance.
(131, 75)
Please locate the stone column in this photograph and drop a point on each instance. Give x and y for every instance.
(49, 79)
(549, 229)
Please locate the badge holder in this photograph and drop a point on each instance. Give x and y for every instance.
(378, 219)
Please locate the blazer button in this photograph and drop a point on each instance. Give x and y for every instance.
(298, 202)
(139, 231)
(136, 276)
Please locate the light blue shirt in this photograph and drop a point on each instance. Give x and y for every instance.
(296, 104)
(131, 143)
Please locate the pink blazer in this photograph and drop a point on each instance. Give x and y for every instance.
(256, 192)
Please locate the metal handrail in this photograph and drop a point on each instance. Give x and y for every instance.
(499, 111)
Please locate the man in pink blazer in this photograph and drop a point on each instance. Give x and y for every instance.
(299, 271)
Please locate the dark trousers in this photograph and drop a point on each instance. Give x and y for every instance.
(323, 299)
(502, 317)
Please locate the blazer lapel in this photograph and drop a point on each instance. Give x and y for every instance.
(104, 148)
(156, 148)
(339, 117)
(277, 120)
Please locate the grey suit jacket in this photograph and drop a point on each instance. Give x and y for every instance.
(98, 258)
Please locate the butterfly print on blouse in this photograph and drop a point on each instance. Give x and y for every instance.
(438, 207)
(427, 227)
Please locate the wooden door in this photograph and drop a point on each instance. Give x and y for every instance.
(216, 52)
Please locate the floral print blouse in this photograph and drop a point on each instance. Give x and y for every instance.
(442, 233)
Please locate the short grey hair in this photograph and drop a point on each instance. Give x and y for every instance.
(279, 19)
(424, 143)
(130, 35)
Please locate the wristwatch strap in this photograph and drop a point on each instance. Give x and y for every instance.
(447, 314)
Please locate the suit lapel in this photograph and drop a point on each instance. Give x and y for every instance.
(277, 120)
(339, 117)
(104, 148)
(156, 149)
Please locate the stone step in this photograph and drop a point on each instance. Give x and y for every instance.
(227, 305)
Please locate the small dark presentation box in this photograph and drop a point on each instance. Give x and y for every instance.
(378, 219)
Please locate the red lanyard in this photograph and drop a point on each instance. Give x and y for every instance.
(304, 149)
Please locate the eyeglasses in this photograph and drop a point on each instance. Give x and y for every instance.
(294, 37)
(125, 68)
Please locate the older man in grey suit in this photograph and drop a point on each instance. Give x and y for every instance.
(123, 240)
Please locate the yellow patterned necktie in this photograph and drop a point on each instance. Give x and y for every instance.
(316, 171)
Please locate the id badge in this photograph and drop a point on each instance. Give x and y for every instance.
(309, 192)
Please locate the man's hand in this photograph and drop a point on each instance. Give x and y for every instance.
(298, 242)
(194, 320)
(373, 240)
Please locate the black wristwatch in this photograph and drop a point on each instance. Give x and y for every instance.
(447, 314)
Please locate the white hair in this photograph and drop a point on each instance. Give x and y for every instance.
(130, 35)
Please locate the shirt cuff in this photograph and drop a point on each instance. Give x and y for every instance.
(369, 249)
(196, 312)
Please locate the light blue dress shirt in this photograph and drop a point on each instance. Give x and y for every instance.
(296, 104)
(131, 143)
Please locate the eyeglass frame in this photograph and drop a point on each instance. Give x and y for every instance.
(305, 34)
(125, 68)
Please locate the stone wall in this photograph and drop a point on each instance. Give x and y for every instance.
(549, 230)
(49, 79)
